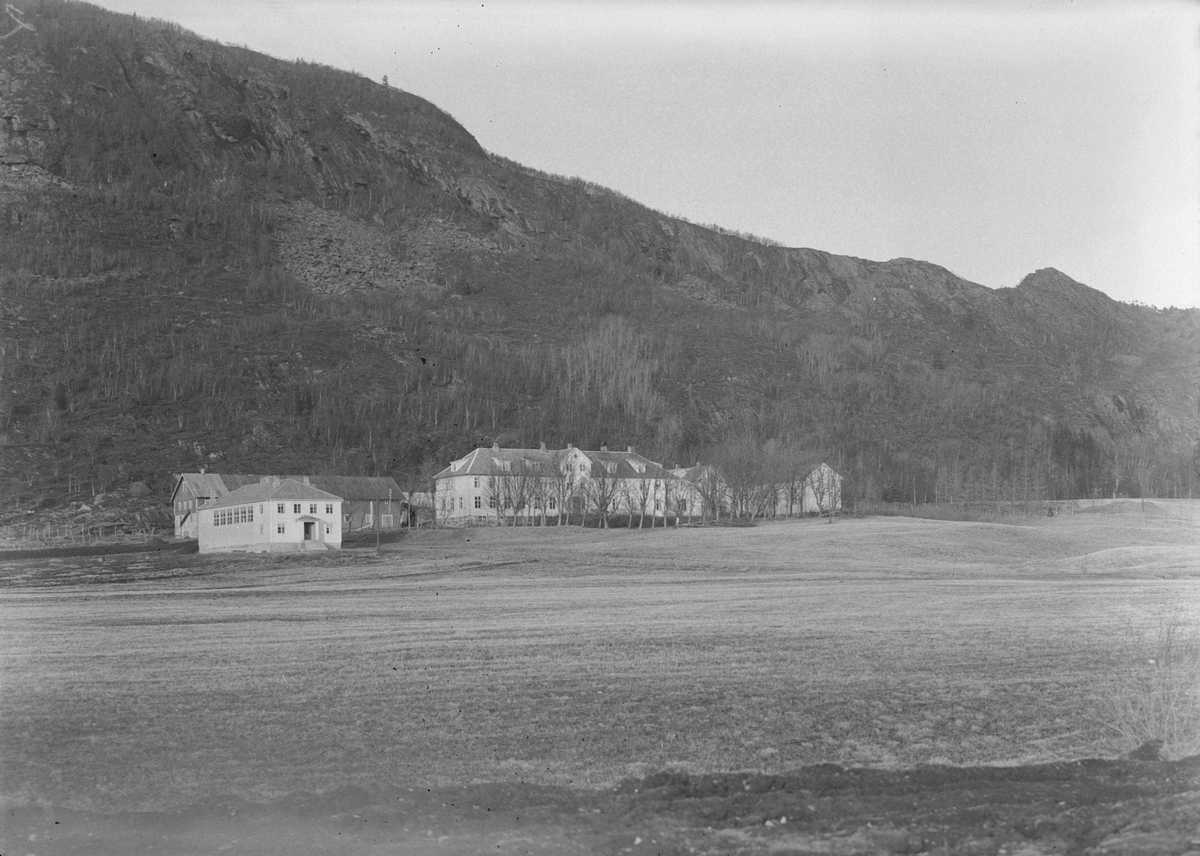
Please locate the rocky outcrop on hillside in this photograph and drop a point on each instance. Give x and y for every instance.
(188, 217)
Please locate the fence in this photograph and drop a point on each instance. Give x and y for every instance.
(16, 536)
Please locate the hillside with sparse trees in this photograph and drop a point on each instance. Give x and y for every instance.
(211, 257)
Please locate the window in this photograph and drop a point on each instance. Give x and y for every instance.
(280, 529)
(460, 502)
(296, 508)
(476, 481)
(327, 530)
(553, 503)
(329, 508)
(508, 503)
(279, 509)
(312, 508)
(658, 505)
(491, 502)
(478, 502)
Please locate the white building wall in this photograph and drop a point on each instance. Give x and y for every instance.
(262, 533)
(455, 499)
(466, 500)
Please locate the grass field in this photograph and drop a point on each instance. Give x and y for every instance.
(571, 657)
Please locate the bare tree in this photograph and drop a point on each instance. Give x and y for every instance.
(601, 492)
(445, 507)
(644, 491)
(562, 488)
(710, 485)
(493, 488)
(740, 458)
(826, 488)
(627, 498)
(539, 492)
(516, 490)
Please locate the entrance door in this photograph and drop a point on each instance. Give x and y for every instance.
(310, 531)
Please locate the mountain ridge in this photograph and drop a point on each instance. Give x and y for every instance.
(333, 274)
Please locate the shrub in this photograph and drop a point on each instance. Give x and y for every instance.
(1155, 699)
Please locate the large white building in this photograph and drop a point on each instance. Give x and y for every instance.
(499, 485)
(273, 515)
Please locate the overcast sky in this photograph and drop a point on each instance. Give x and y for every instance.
(991, 138)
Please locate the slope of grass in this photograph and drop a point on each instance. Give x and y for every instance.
(566, 657)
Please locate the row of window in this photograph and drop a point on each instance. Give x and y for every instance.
(536, 502)
(609, 466)
(552, 503)
(281, 529)
(245, 513)
(233, 516)
(298, 508)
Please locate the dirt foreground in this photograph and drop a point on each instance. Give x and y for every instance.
(874, 687)
(1084, 807)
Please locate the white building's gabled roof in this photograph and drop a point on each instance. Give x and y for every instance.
(548, 462)
(270, 490)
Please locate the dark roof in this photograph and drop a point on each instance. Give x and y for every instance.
(696, 473)
(357, 487)
(271, 490)
(493, 461)
(625, 465)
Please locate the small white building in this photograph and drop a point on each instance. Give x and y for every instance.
(816, 488)
(273, 515)
(368, 502)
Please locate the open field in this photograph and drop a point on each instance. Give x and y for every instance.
(553, 661)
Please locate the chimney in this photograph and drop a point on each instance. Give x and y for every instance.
(305, 480)
(570, 445)
(604, 447)
(496, 446)
(542, 446)
(629, 449)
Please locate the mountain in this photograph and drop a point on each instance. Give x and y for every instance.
(216, 258)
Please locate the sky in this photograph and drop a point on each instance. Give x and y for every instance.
(992, 138)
